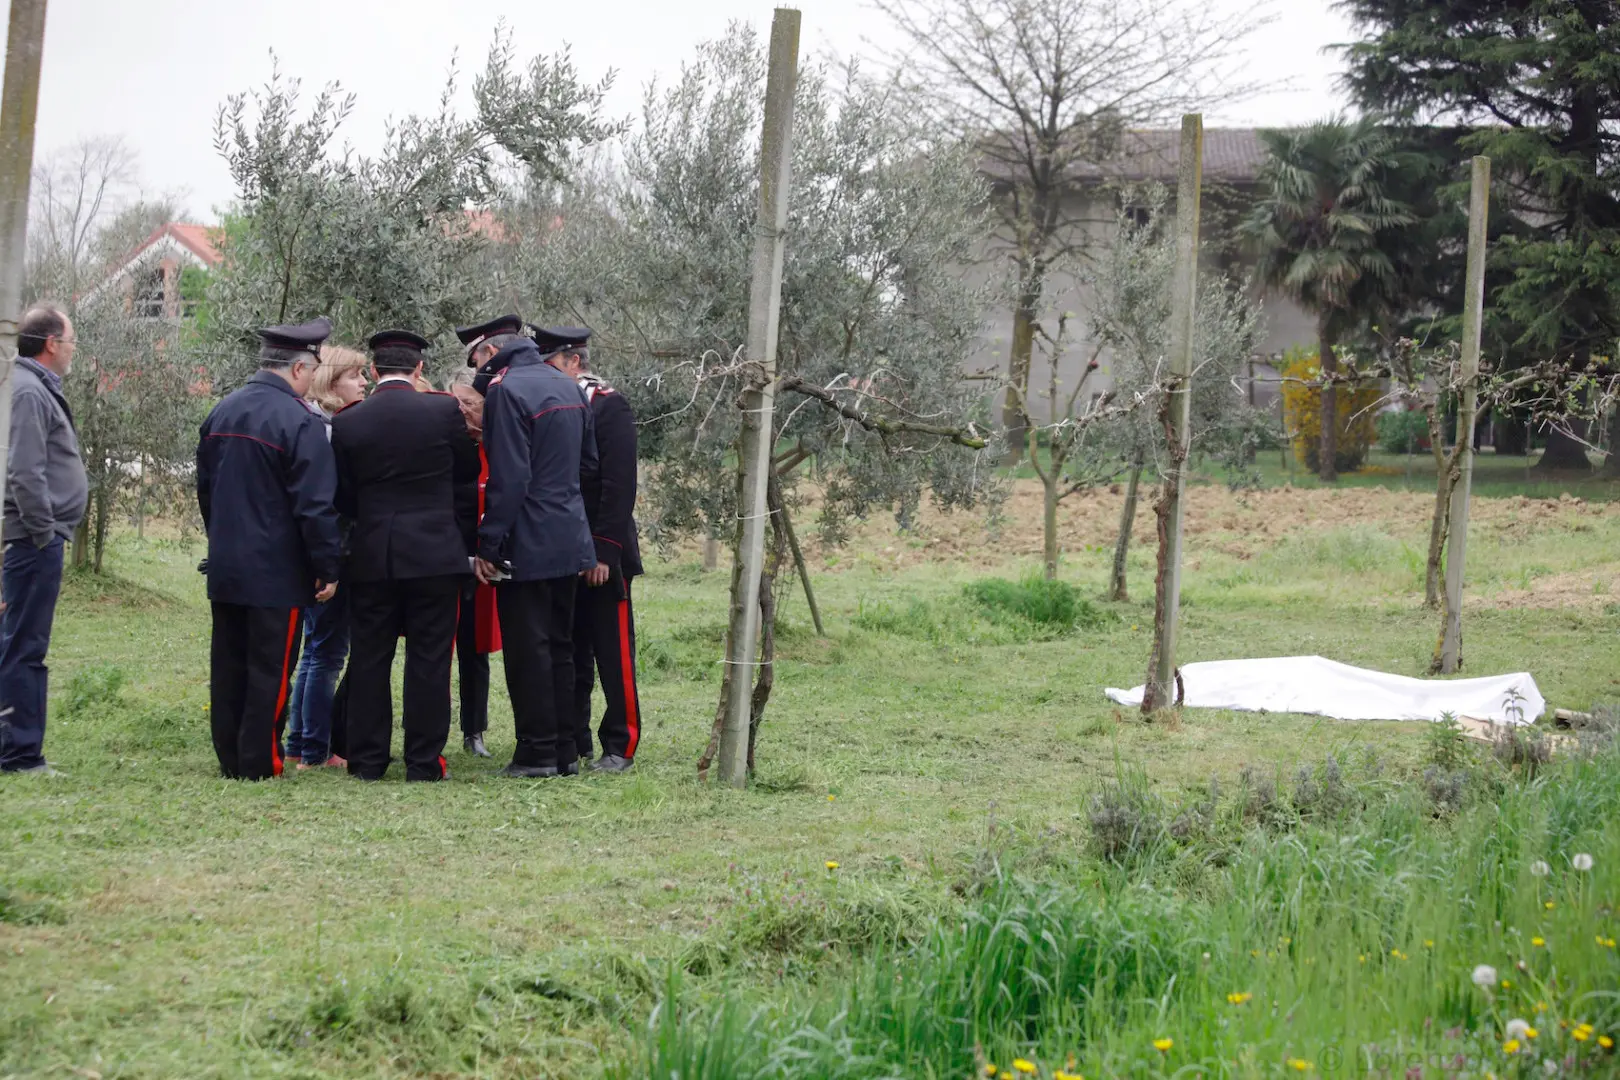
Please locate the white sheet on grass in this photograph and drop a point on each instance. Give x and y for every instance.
(1320, 687)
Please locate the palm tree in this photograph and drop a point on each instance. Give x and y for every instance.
(1327, 227)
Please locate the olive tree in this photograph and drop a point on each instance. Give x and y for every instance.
(877, 308)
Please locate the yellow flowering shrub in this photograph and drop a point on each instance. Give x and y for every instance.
(1302, 413)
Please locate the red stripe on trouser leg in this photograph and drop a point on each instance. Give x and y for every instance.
(627, 672)
(444, 770)
(281, 695)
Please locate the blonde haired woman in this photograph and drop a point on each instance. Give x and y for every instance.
(340, 381)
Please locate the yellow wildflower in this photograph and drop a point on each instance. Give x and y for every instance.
(830, 798)
(1511, 1046)
(1023, 1066)
(1361, 958)
(1006, 1075)
(1428, 943)
(1580, 1034)
(1163, 1045)
(1531, 1033)
(1541, 1006)
(1238, 997)
(1549, 905)
(831, 865)
(1605, 1042)
(1538, 942)
(1299, 1065)
(1506, 985)
(1397, 954)
(990, 1069)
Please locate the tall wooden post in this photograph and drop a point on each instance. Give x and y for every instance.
(764, 309)
(19, 104)
(1473, 316)
(1161, 676)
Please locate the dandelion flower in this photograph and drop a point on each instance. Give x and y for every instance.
(1582, 862)
(1023, 1066)
(1163, 1045)
(1361, 958)
(1549, 905)
(1238, 997)
(1541, 1006)
(990, 1069)
(831, 865)
(1538, 942)
(1397, 954)
(1539, 869)
(1605, 1042)
(1517, 1028)
(830, 798)
(1531, 1033)
(1428, 943)
(1580, 1034)
(1506, 985)
(1484, 976)
(1511, 1046)
(1299, 1065)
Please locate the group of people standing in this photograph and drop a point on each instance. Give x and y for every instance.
(496, 515)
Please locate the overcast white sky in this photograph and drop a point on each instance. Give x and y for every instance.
(155, 71)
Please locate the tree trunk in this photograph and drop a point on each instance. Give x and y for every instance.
(1611, 464)
(1327, 468)
(767, 636)
(779, 507)
(1564, 453)
(102, 512)
(1510, 436)
(1117, 589)
(81, 544)
(1015, 407)
(1438, 528)
(1049, 504)
(1441, 525)
(711, 553)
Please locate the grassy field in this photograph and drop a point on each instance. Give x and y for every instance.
(959, 765)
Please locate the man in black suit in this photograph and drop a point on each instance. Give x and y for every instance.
(400, 454)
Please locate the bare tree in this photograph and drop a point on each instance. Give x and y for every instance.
(1046, 88)
(131, 395)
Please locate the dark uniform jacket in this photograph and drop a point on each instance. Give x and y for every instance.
(610, 491)
(400, 455)
(537, 436)
(265, 485)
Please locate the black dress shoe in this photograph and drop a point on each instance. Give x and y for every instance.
(611, 763)
(474, 745)
(529, 772)
(570, 769)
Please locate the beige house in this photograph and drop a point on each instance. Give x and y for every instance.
(1232, 159)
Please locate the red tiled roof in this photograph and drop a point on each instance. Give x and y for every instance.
(197, 239)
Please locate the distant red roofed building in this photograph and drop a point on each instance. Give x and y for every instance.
(149, 279)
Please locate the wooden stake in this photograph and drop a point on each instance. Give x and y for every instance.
(19, 105)
(1473, 316)
(758, 400)
(779, 508)
(1161, 676)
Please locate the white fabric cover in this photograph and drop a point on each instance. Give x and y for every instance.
(1320, 687)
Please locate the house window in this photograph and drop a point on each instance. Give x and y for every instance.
(1140, 217)
(148, 298)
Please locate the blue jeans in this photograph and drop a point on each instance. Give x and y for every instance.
(326, 645)
(30, 578)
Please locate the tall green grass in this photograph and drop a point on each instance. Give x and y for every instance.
(1345, 946)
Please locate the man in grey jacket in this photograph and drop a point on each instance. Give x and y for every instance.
(46, 493)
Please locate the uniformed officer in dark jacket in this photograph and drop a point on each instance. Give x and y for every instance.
(400, 454)
(604, 620)
(536, 540)
(483, 342)
(265, 485)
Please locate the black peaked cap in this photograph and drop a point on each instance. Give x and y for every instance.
(396, 339)
(307, 336)
(552, 338)
(472, 336)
